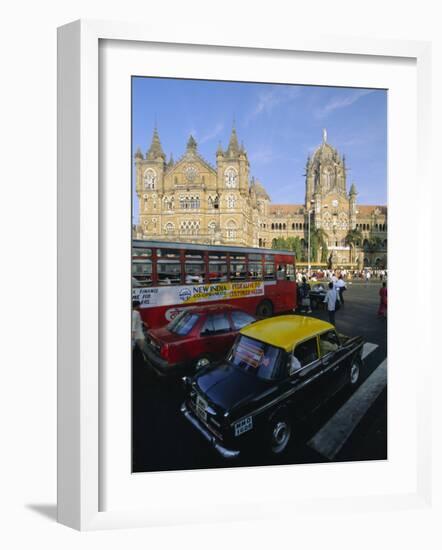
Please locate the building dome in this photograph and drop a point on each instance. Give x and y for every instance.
(325, 152)
(259, 190)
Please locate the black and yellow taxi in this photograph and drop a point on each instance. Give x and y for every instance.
(278, 371)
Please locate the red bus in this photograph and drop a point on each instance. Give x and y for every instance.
(167, 277)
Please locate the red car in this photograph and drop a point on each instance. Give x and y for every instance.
(196, 337)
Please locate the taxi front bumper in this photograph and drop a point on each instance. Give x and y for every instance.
(223, 451)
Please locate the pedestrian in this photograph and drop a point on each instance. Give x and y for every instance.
(382, 311)
(367, 277)
(341, 287)
(304, 294)
(332, 301)
(138, 338)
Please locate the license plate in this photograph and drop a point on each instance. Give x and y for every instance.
(243, 425)
(201, 408)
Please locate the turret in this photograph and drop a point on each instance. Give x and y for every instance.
(233, 148)
(155, 150)
(352, 205)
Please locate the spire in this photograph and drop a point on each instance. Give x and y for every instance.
(324, 135)
(139, 154)
(155, 149)
(233, 148)
(191, 144)
(219, 151)
(353, 191)
(171, 161)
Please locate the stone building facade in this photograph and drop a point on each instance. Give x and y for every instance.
(190, 200)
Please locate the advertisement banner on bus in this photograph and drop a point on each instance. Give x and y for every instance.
(194, 294)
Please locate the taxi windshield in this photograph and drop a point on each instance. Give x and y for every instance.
(258, 358)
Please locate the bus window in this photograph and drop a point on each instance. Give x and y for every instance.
(194, 268)
(237, 267)
(255, 266)
(217, 267)
(168, 267)
(290, 272)
(141, 267)
(269, 269)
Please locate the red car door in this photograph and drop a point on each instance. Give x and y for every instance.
(217, 335)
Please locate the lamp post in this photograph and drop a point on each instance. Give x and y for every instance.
(310, 211)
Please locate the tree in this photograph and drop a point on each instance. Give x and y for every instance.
(353, 237)
(318, 242)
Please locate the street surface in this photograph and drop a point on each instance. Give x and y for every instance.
(351, 426)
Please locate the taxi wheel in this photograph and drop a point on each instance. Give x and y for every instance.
(264, 309)
(355, 371)
(202, 361)
(279, 433)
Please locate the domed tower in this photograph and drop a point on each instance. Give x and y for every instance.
(352, 205)
(150, 169)
(325, 172)
(262, 198)
(149, 184)
(233, 166)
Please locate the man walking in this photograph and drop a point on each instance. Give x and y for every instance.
(332, 301)
(341, 287)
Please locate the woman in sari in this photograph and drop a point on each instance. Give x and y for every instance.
(382, 311)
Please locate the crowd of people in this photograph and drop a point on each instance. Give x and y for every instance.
(347, 274)
(336, 287)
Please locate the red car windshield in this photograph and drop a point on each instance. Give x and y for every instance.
(256, 357)
(183, 323)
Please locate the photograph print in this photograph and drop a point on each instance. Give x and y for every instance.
(259, 274)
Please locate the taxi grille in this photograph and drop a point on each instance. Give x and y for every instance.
(204, 414)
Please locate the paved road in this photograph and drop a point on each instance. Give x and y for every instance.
(352, 426)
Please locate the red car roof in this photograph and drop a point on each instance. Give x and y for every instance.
(214, 307)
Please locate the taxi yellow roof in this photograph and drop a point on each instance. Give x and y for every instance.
(285, 331)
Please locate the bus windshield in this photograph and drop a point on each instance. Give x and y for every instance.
(258, 358)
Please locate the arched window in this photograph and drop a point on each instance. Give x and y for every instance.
(273, 226)
(210, 203)
(212, 227)
(231, 201)
(168, 203)
(169, 228)
(293, 226)
(231, 229)
(190, 227)
(260, 243)
(280, 226)
(150, 179)
(283, 226)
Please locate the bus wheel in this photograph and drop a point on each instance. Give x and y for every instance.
(264, 309)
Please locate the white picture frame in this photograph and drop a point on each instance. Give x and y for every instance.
(80, 294)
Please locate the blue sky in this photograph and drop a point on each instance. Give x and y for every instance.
(280, 126)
